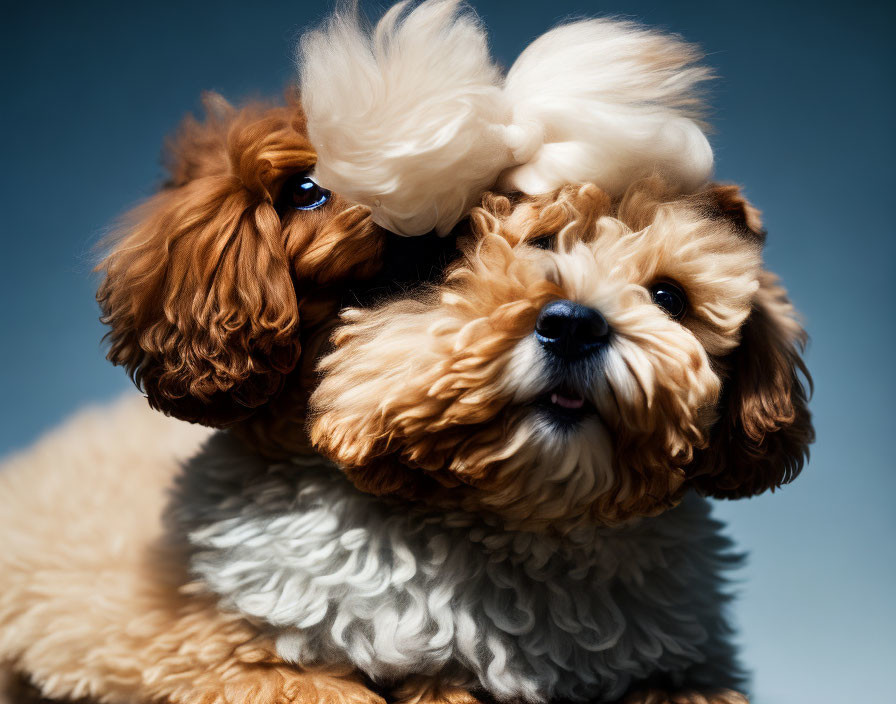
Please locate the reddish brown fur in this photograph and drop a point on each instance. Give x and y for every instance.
(204, 284)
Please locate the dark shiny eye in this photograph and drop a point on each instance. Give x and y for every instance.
(301, 193)
(670, 298)
(546, 242)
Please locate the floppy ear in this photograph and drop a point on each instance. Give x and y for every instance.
(762, 438)
(197, 287)
(723, 200)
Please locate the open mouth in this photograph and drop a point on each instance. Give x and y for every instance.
(565, 405)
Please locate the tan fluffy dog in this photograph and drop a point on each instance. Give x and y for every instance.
(90, 601)
(199, 289)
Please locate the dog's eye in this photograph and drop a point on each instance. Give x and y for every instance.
(301, 193)
(545, 242)
(670, 298)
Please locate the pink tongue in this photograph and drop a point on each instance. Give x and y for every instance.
(566, 402)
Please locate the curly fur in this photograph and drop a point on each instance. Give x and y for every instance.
(489, 549)
(199, 285)
(90, 604)
(396, 589)
(762, 439)
(433, 396)
(428, 399)
(413, 119)
(223, 304)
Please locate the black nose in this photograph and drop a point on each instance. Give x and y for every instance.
(571, 330)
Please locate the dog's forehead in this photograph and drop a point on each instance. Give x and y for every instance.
(647, 222)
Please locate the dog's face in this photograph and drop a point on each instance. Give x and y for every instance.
(213, 285)
(584, 360)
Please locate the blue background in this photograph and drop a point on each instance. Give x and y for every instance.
(804, 116)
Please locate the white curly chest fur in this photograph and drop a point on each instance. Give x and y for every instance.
(395, 590)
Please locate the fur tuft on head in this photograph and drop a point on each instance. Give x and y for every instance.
(402, 115)
(610, 102)
(413, 119)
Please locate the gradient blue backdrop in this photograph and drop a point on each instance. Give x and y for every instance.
(804, 116)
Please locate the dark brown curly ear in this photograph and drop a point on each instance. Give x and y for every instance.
(762, 439)
(197, 287)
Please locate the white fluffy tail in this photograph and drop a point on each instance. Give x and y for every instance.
(413, 119)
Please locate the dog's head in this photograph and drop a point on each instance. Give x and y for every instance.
(210, 286)
(587, 358)
(221, 284)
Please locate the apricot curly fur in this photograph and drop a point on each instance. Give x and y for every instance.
(426, 396)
